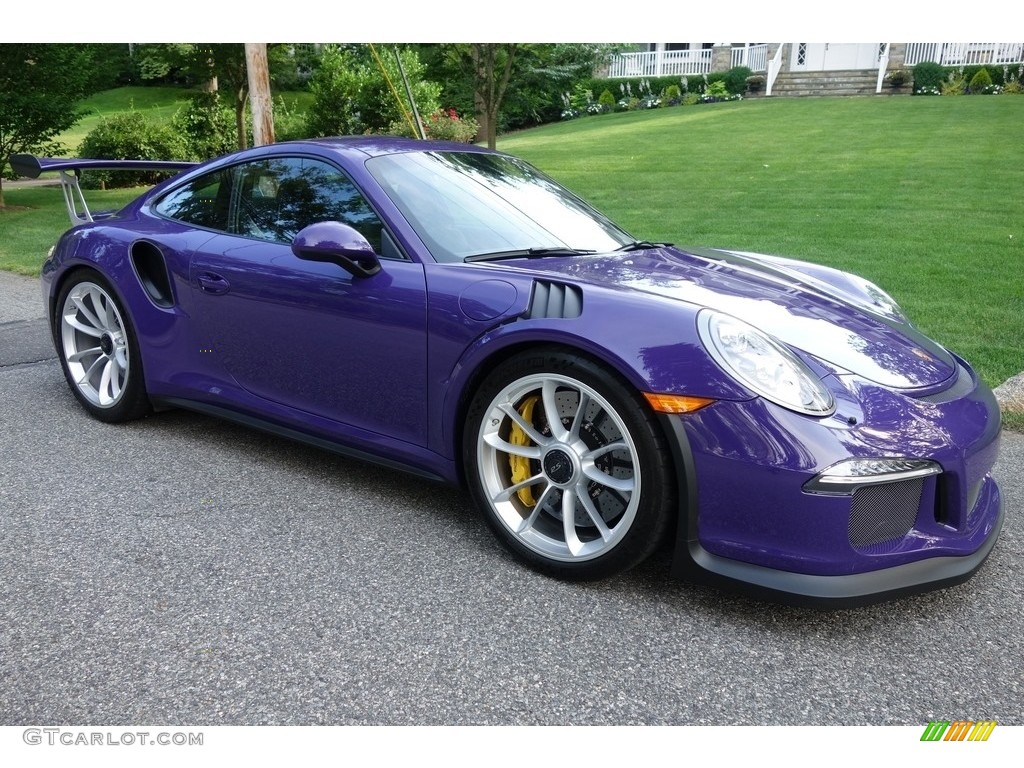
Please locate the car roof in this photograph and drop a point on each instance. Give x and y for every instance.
(372, 146)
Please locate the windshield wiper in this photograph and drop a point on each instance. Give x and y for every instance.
(527, 253)
(640, 245)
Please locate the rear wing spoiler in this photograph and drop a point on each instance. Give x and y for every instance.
(69, 170)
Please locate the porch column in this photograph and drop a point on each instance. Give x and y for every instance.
(721, 57)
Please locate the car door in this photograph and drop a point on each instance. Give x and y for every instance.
(310, 335)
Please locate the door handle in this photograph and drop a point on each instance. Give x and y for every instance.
(211, 283)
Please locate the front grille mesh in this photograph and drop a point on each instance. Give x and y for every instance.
(884, 513)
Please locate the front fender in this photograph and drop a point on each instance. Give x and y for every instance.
(651, 342)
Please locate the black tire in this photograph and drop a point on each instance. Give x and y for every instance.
(607, 469)
(98, 349)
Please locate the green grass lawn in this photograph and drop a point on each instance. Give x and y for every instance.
(36, 216)
(156, 103)
(925, 196)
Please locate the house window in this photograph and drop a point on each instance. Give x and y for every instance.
(801, 54)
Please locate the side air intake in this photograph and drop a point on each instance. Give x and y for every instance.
(554, 300)
(152, 271)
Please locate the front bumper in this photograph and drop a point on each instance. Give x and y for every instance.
(755, 517)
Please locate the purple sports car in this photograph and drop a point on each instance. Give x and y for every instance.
(453, 312)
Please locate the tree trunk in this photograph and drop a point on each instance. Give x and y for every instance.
(259, 93)
(482, 119)
(489, 85)
(492, 129)
(240, 95)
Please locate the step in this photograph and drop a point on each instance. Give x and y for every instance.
(833, 83)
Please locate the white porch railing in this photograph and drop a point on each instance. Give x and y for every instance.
(661, 63)
(754, 57)
(774, 67)
(883, 65)
(955, 54)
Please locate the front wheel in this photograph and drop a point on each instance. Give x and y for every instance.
(98, 350)
(568, 465)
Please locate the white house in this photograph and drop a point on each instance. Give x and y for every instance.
(809, 67)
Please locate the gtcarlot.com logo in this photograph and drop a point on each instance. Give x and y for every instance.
(70, 737)
(958, 730)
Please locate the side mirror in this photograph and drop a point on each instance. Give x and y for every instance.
(337, 243)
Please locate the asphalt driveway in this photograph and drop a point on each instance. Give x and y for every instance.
(183, 571)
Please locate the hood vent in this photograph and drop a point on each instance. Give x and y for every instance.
(554, 300)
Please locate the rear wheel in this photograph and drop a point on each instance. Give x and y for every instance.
(98, 350)
(568, 466)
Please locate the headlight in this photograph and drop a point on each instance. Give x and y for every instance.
(763, 364)
(846, 476)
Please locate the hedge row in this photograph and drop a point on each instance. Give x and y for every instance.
(734, 79)
(929, 74)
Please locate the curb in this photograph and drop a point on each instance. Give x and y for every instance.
(1010, 394)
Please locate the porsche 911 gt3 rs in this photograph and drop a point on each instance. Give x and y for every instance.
(453, 312)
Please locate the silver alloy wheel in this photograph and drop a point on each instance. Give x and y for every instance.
(94, 344)
(559, 467)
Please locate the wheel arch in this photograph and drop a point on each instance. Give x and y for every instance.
(62, 278)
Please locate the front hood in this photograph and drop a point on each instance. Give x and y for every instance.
(831, 322)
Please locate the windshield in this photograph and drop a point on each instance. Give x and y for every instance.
(470, 204)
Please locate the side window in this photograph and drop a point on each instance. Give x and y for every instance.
(203, 202)
(276, 198)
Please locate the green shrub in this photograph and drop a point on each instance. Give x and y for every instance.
(717, 91)
(289, 123)
(441, 125)
(1011, 77)
(981, 80)
(352, 96)
(447, 125)
(335, 86)
(969, 71)
(207, 126)
(736, 79)
(954, 84)
(606, 100)
(130, 136)
(928, 77)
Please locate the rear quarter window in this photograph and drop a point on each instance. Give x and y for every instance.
(203, 202)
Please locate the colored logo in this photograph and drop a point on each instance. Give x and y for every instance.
(958, 730)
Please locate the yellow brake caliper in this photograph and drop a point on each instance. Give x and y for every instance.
(520, 465)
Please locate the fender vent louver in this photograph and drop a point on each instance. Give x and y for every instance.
(554, 300)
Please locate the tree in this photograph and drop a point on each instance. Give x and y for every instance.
(477, 71)
(218, 66)
(511, 85)
(223, 65)
(490, 65)
(40, 86)
(356, 91)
